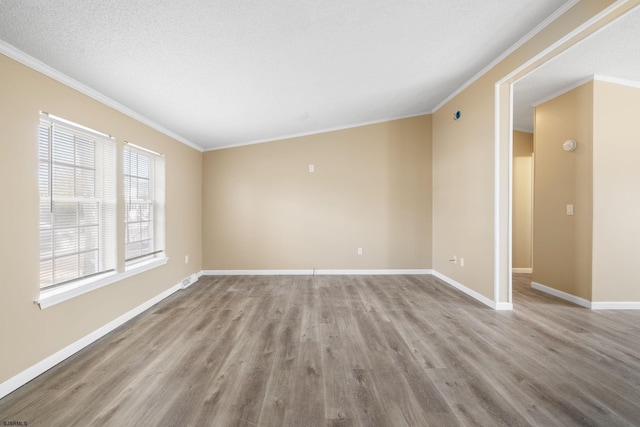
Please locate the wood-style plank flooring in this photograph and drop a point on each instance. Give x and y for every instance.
(346, 351)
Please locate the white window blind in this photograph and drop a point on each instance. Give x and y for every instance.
(77, 181)
(144, 188)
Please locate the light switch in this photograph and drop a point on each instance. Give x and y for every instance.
(569, 209)
(312, 168)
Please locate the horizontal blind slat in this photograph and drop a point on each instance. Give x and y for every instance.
(77, 181)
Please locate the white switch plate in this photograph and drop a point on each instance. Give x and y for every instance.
(461, 262)
(569, 209)
(312, 168)
(186, 259)
(359, 251)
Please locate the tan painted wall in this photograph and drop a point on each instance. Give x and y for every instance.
(562, 244)
(371, 189)
(522, 199)
(466, 228)
(28, 334)
(616, 212)
(463, 190)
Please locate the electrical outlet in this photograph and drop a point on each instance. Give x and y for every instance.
(186, 259)
(359, 251)
(461, 262)
(312, 168)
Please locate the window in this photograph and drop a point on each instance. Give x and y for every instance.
(144, 204)
(77, 182)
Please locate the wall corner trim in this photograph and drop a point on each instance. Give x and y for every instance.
(503, 306)
(562, 295)
(44, 365)
(473, 294)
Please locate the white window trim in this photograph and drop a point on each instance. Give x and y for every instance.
(51, 297)
(56, 294)
(157, 190)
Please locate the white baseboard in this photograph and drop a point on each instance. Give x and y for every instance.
(44, 365)
(615, 305)
(311, 272)
(503, 306)
(307, 272)
(522, 270)
(560, 294)
(474, 294)
(373, 272)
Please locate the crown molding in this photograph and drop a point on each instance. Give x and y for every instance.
(616, 80)
(39, 66)
(555, 15)
(318, 131)
(562, 91)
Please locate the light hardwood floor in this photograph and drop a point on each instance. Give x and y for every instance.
(342, 351)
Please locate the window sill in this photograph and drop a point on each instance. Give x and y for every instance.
(55, 296)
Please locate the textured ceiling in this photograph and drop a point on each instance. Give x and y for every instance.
(613, 52)
(231, 72)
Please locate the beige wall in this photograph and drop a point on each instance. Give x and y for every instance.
(463, 189)
(616, 188)
(371, 189)
(522, 199)
(562, 244)
(29, 334)
(472, 233)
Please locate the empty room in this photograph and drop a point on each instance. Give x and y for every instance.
(341, 213)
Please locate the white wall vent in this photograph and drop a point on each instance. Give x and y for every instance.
(188, 281)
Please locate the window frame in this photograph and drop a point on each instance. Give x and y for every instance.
(79, 190)
(63, 291)
(154, 202)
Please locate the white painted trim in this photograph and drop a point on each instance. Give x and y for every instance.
(510, 204)
(616, 80)
(55, 296)
(307, 272)
(615, 305)
(472, 293)
(567, 37)
(35, 64)
(317, 272)
(504, 306)
(555, 15)
(319, 131)
(373, 272)
(39, 368)
(496, 193)
(562, 295)
(522, 270)
(563, 91)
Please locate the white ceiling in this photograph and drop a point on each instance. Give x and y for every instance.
(613, 53)
(229, 72)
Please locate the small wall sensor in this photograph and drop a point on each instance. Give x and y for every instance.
(456, 115)
(569, 145)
